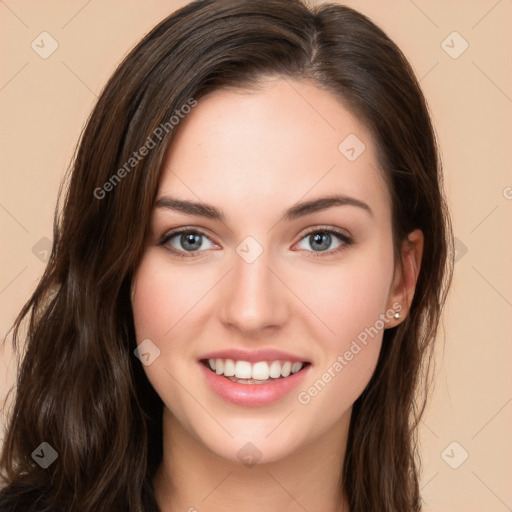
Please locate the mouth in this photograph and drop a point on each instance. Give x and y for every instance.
(259, 372)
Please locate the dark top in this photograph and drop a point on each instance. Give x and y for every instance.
(23, 500)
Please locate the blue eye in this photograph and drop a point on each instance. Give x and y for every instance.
(184, 242)
(322, 238)
(188, 240)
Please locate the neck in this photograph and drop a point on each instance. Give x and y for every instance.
(192, 478)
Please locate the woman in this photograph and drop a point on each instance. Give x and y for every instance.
(246, 278)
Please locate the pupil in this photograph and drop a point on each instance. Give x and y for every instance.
(317, 238)
(191, 239)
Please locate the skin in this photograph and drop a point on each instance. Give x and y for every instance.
(254, 154)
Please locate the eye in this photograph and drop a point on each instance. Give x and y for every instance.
(185, 240)
(321, 239)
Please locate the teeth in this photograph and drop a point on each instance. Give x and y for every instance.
(229, 368)
(286, 369)
(262, 370)
(275, 369)
(296, 367)
(242, 369)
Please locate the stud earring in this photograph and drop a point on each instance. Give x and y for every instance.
(396, 316)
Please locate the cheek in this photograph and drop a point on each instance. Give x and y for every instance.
(161, 304)
(352, 303)
(349, 298)
(150, 303)
(161, 298)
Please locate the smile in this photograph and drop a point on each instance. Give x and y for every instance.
(254, 384)
(258, 372)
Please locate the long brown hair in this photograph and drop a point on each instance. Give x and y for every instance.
(79, 387)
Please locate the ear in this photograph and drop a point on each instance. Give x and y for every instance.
(404, 279)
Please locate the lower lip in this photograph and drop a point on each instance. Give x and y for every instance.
(252, 395)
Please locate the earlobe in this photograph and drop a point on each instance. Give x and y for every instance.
(406, 277)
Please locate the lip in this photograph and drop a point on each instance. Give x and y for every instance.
(252, 395)
(253, 356)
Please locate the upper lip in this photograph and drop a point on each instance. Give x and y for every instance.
(253, 356)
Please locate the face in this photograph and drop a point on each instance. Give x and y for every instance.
(246, 282)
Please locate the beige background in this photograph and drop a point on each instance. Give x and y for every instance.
(45, 102)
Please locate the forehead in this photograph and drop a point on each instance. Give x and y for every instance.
(285, 141)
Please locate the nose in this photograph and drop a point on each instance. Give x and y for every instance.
(254, 298)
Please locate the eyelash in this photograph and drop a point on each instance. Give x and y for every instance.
(345, 239)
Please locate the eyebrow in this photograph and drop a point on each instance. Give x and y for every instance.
(296, 211)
